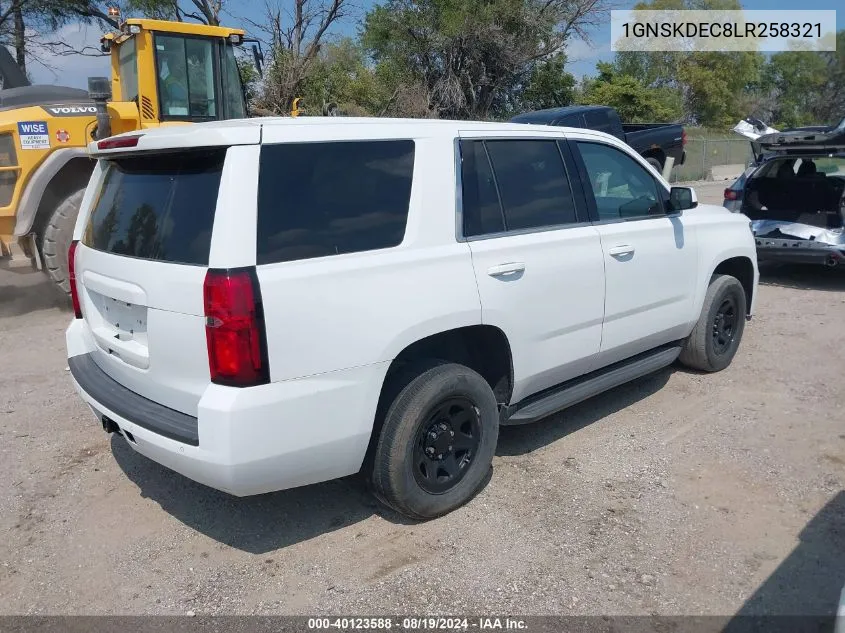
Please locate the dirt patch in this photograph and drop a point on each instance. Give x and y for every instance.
(680, 493)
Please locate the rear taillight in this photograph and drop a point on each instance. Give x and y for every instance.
(234, 328)
(71, 277)
(683, 137)
(731, 194)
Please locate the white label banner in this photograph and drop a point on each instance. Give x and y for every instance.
(722, 31)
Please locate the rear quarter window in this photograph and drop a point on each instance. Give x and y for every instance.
(159, 207)
(322, 199)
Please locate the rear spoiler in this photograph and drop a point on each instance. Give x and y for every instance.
(178, 137)
(810, 139)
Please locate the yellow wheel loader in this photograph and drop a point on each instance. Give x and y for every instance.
(162, 73)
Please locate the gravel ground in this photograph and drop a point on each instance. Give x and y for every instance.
(680, 493)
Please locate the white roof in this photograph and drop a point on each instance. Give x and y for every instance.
(250, 131)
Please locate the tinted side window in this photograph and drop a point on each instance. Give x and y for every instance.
(318, 199)
(482, 213)
(532, 183)
(621, 186)
(159, 207)
(598, 120)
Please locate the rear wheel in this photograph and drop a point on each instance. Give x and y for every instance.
(655, 163)
(437, 441)
(57, 237)
(716, 336)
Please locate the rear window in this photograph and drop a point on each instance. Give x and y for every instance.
(598, 120)
(158, 207)
(570, 120)
(320, 199)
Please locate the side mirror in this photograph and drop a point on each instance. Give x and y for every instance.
(682, 198)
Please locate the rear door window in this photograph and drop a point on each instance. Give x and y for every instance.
(322, 199)
(158, 207)
(533, 184)
(514, 185)
(482, 213)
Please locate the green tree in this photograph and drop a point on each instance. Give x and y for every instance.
(475, 58)
(829, 107)
(635, 102)
(796, 80)
(250, 78)
(340, 79)
(798, 88)
(296, 50)
(713, 85)
(549, 85)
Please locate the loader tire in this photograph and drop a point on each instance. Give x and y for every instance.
(57, 237)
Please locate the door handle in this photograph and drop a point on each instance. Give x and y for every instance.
(622, 249)
(506, 269)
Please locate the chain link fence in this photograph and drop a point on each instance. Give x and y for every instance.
(705, 153)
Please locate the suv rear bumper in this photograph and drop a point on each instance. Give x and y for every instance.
(248, 441)
(129, 405)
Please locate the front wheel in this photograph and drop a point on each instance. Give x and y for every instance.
(437, 441)
(715, 338)
(57, 237)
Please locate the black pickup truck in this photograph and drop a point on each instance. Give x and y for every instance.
(654, 141)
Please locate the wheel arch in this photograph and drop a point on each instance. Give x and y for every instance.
(483, 348)
(742, 268)
(63, 172)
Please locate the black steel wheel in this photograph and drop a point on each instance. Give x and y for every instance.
(446, 444)
(724, 325)
(436, 444)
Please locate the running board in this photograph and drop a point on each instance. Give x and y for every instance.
(581, 389)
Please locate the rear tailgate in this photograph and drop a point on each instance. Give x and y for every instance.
(143, 253)
(808, 140)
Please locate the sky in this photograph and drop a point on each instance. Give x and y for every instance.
(74, 70)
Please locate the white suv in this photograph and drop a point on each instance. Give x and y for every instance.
(268, 303)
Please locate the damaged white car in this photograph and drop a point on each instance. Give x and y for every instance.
(795, 193)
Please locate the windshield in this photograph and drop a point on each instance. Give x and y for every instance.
(190, 88)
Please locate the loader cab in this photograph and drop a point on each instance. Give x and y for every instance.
(176, 72)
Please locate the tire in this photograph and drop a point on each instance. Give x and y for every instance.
(655, 163)
(57, 238)
(716, 336)
(415, 469)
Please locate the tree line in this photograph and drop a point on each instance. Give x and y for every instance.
(476, 59)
